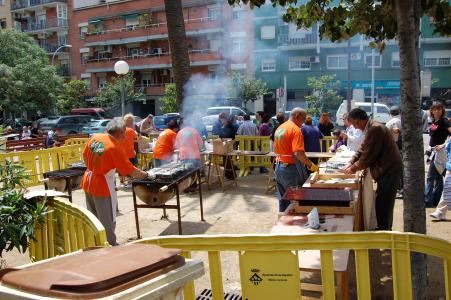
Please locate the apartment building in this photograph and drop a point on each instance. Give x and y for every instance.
(104, 31)
(5, 14)
(283, 53)
(47, 22)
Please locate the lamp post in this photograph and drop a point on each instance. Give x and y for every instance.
(121, 68)
(58, 49)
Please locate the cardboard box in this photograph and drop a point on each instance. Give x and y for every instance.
(222, 146)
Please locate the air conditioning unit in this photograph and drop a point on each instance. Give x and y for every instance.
(314, 59)
(356, 56)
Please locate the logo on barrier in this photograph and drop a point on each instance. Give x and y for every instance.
(255, 279)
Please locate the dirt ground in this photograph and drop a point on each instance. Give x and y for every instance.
(248, 209)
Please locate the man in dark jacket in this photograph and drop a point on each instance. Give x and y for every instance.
(380, 153)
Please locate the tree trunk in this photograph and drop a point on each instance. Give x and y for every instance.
(408, 17)
(179, 49)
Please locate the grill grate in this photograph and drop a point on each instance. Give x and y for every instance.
(207, 294)
(66, 173)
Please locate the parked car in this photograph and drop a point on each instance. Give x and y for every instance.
(95, 126)
(66, 124)
(161, 122)
(381, 111)
(213, 114)
(95, 112)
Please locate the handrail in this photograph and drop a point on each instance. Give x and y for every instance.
(400, 244)
(138, 56)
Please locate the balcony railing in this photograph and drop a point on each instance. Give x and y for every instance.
(45, 25)
(63, 71)
(147, 26)
(109, 56)
(285, 40)
(50, 48)
(24, 4)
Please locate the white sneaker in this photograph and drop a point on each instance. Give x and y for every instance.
(438, 215)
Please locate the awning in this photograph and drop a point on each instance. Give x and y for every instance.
(95, 21)
(131, 16)
(118, 41)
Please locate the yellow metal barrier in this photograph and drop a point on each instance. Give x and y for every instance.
(278, 250)
(75, 141)
(68, 228)
(252, 143)
(325, 143)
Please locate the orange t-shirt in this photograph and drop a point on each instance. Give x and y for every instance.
(102, 154)
(188, 142)
(288, 139)
(129, 142)
(164, 148)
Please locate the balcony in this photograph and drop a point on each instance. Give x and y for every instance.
(152, 89)
(48, 25)
(155, 29)
(51, 48)
(287, 43)
(22, 4)
(63, 71)
(105, 61)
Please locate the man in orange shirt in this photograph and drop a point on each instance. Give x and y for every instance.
(289, 147)
(164, 147)
(130, 138)
(189, 143)
(103, 155)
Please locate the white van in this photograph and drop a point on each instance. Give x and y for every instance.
(381, 111)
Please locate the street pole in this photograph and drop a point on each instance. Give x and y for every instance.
(285, 94)
(58, 49)
(122, 96)
(372, 83)
(348, 88)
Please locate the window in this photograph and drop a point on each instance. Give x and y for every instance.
(437, 58)
(239, 46)
(299, 63)
(395, 59)
(268, 65)
(3, 24)
(101, 82)
(214, 45)
(133, 51)
(83, 32)
(214, 13)
(268, 32)
(62, 40)
(84, 58)
(2, 2)
(61, 11)
(146, 79)
(337, 62)
(131, 22)
(88, 82)
(238, 13)
(382, 110)
(377, 60)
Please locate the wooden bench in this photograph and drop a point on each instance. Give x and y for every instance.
(23, 145)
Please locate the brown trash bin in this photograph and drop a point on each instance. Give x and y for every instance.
(94, 273)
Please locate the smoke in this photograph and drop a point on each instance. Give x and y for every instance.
(202, 92)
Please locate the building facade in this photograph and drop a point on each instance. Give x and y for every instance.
(285, 56)
(103, 32)
(47, 22)
(5, 14)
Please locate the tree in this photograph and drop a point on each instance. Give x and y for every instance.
(181, 67)
(381, 21)
(170, 103)
(73, 96)
(109, 97)
(325, 95)
(247, 87)
(27, 81)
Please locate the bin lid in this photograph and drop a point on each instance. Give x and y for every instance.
(94, 273)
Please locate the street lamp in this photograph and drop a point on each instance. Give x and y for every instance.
(121, 68)
(58, 49)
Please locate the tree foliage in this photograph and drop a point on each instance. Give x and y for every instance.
(109, 97)
(170, 103)
(247, 87)
(73, 96)
(325, 95)
(18, 215)
(27, 81)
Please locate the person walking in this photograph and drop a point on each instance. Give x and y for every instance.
(217, 126)
(131, 137)
(353, 136)
(439, 132)
(445, 203)
(280, 117)
(380, 154)
(248, 128)
(103, 155)
(394, 125)
(164, 147)
(312, 136)
(289, 149)
(265, 130)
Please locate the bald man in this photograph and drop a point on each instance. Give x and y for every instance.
(289, 148)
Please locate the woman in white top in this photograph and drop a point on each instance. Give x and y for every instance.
(353, 136)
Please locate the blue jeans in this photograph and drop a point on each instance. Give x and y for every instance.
(434, 186)
(286, 176)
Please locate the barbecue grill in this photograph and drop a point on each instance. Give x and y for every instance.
(65, 180)
(162, 185)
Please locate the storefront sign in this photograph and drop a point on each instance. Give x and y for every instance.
(378, 84)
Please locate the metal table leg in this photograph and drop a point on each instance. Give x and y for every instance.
(138, 234)
(179, 217)
(199, 187)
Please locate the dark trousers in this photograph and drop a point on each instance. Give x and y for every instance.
(434, 186)
(387, 185)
